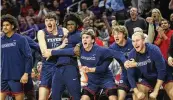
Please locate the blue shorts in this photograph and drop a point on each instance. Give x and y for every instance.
(47, 73)
(106, 85)
(12, 86)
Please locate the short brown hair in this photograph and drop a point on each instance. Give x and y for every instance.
(122, 29)
(51, 15)
(88, 31)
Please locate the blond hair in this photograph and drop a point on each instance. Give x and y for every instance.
(158, 11)
(139, 34)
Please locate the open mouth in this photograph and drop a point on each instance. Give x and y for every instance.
(137, 47)
(117, 39)
(49, 26)
(85, 43)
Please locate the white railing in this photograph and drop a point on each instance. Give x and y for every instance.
(77, 3)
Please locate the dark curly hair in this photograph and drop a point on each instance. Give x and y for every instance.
(11, 19)
(73, 17)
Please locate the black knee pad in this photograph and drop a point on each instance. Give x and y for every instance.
(86, 92)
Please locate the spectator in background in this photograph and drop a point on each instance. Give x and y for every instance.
(108, 26)
(154, 22)
(43, 10)
(164, 37)
(36, 78)
(88, 22)
(6, 7)
(23, 24)
(25, 7)
(31, 12)
(135, 21)
(63, 4)
(55, 7)
(16, 9)
(85, 12)
(31, 23)
(117, 8)
(33, 26)
(171, 5)
(25, 29)
(96, 9)
(102, 4)
(102, 32)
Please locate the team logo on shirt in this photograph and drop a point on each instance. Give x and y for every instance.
(88, 58)
(7, 45)
(143, 63)
(54, 40)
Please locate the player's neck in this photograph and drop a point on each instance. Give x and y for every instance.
(123, 43)
(54, 32)
(89, 48)
(143, 50)
(9, 34)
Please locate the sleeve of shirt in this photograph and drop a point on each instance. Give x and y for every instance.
(33, 44)
(131, 71)
(63, 52)
(119, 56)
(100, 68)
(145, 26)
(156, 40)
(159, 63)
(131, 77)
(26, 51)
(111, 46)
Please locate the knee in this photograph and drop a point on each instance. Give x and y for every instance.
(170, 93)
(112, 97)
(143, 88)
(85, 97)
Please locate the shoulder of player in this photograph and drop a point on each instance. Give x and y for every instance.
(40, 33)
(65, 31)
(20, 38)
(102, 49)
